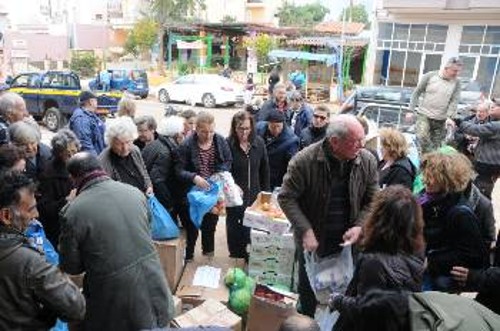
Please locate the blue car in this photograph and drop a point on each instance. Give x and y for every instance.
(134, 81)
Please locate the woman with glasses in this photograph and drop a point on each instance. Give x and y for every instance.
(250, 170)
(56, 188)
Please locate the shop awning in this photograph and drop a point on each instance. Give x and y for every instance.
(329, 59)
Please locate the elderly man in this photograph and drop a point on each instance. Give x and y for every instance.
(317, 130)
(12, 110)
(281, 144)
(325, 194)
(34, 293)
(487, 152)
(437, 95)
(105, 233)
(87, 126)
(122, 160)
(301, 113)
(278, 102)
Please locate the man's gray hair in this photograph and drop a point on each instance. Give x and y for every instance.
(122, 127)
(22, 133)
(454, 61)
(279, 86)
(148, 120)
(8, 102)
(337, 129)
(171, 126)
(62, 139)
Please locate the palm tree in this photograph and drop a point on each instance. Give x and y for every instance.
(168, 11)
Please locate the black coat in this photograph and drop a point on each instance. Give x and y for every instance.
(268, 107)
(43, 156)
(250, 171)
(487, 284)
(160, 157)
(311, 134)
(402, 172)
(453, 235)
(55, 185)
(189, 160)
(280, 151)
(34, 293)
(483, 208)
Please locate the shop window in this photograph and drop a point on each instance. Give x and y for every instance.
(485, 72)
(417, 32)
(385, 30)
(492, 35)
(436, 33)
(401, 32)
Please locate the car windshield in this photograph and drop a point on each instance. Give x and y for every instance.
(138, 74)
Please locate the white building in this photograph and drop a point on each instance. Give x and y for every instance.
(413, 37)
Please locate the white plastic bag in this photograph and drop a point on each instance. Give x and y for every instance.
(330, 274)
(326, 318)
(232, 192)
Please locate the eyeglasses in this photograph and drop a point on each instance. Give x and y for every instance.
(321, 117)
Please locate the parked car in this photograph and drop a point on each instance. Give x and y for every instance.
(52, 96)
(208, 89)
(134, 81)
(401, 97)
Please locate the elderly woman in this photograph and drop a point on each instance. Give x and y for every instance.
(159, 157)
(11, 159)
(395, 167)
(122, 160)
(250, 170)
(201, 155)
(146, 129)
(27, 137)
(55, 187)
(126, 107)
(452, 230)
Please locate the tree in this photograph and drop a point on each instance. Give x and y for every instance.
(262, 44)
(168, 11)
(356, 13)
(84, 64)
(142, 37)
(228, 19)
(302, 16)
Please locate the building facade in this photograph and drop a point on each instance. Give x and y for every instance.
(412, 38)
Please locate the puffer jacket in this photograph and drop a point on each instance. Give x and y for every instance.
(34, 293)
(386, 272)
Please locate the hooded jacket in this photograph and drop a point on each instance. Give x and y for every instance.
(402, 172)
(34, 293)
(280, 151)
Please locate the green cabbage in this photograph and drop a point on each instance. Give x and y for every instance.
(239, 301)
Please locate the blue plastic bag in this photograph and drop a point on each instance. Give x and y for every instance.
(162, 225)
(202, 201)
(38, 239)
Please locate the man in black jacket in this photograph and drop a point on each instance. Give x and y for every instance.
(34, 293)
(317, 130)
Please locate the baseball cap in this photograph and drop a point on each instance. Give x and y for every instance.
(86, 95)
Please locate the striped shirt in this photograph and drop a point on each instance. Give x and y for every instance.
(207, 161)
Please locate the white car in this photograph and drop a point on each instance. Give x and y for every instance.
(208, 89)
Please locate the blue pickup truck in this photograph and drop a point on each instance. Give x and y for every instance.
(52, 96)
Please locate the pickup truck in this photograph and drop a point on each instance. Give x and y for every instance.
(52, 96)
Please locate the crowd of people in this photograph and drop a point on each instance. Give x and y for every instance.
(89, 189)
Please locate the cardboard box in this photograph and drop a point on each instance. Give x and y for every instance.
(272, 278)
(266, 315)
(196, 295)
(255, 217)
(210, 313)
(276, 265)
(264, 239)
(177, 306)
(171, 253)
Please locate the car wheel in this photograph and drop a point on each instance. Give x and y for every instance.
(53, 119)
(208, 100)
(163, 96)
